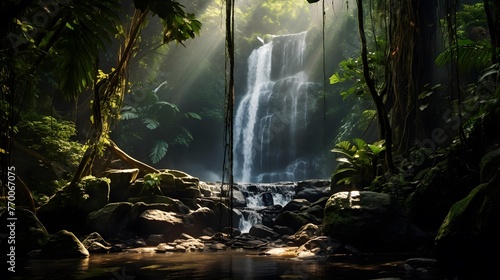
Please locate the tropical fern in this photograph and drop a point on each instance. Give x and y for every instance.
(162, 117)
(469, 55)
(357, 162)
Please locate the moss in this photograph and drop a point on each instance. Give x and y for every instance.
(463, 215)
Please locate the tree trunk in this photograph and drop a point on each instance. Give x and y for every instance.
(104, 92)
(143, 168)
(383, 120)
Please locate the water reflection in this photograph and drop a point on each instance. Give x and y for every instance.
(207, 265)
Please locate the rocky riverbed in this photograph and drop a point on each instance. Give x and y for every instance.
(121, 213)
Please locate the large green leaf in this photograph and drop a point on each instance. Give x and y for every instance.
(158, 151)
(151, 123)
(128, 115)
(85, 29)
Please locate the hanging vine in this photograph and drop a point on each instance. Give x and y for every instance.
(229, 108)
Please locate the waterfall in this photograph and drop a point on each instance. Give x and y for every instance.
(271, 118)
(260, 198)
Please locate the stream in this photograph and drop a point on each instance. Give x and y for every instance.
(231, 264)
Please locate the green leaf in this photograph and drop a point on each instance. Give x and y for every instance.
(128, 115)
(377, 147)
(151, 123)
(335, 79)
(158, 151)
(425, 94)
(192, 115)
(423, 107)
(359, 143)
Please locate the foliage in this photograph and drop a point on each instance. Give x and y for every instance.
(178, 25)
(469, 17)
(161, 117)
(273, 17)
(51, 137)
(468, 54)
(358, 162)
(151, 184)
(83, 31)
(351, 73)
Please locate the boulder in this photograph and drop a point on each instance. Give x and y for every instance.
(174, 205)
(314, 214)
(304, 234)
(110, 221)
(179, 184)
(490, 163)
(239, 199)
(200, 219)
(139, 207)
(154, 221)
(223, 214)
(29, 231)
(269, 214)
(94, 237)
(319, 247)
(292, 220)
(267, 199)
(440, 186)
(120, 182)
(72, 205)
(64, 245)
(95, 243)
(296, 204)
(208, 189)
(312, 190)
(368, 220)
(283, 230)
(262, 231)
(471, 229)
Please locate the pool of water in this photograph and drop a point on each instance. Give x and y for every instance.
(234, 264)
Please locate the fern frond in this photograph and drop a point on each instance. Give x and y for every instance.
(469, 57)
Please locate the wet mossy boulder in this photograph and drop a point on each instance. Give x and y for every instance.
(469, 233)
(120, 182)
(439, 187)
(155, 221)
(292, 220)
(68, 208)
(178, 184)
(110, 221)
(312, 190)
(64, 245)
(490, 163)
(174, 204)
(369, 221)
(30, 233)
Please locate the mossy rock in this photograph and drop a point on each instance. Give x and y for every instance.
(368, 220)
(30, 232)
(111, 220)
(68, 208)
(489, 165)
(64, 245)
(470, 231)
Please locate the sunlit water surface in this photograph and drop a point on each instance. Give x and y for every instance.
(213, 265)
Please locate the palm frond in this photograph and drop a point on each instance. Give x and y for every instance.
(469, 56)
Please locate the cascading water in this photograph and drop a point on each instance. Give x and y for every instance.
(272, 116)
(262, 197)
